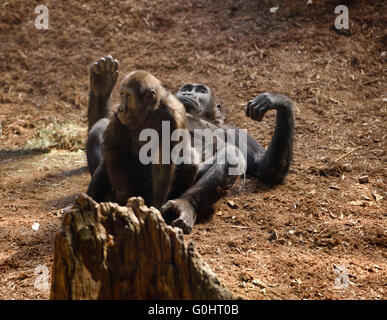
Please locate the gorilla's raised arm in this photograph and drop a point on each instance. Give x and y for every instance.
(271, 165)
(103, 77)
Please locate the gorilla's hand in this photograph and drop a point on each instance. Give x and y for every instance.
(179, 213)
(103, 76)
(257, 107)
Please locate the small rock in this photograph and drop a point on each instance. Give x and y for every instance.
(363, 179)
(273, 9)
(232, 204)
(259, 283)
(367, 198)
(273, 236)
(35, 226)
(377, 196)
(219, 213)
(357, 203)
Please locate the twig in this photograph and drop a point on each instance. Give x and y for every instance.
(240, 227)
(244, 18)
(348, 153)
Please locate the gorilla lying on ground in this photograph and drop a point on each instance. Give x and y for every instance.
(193, 190)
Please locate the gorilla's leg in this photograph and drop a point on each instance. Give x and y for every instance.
(185, 175)
(94, 144)
(100, 188)
(272, 165)
(214, 181)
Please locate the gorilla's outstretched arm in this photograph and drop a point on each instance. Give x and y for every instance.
(214, 179)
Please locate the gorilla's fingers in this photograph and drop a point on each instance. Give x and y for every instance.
(247, 111)
(94, 68)
(256, 111)
(115, 65)
(101, 64)
(260, 114)
(109, 62)
(179, 223)
(250, 109)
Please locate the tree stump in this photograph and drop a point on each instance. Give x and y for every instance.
(106, 251)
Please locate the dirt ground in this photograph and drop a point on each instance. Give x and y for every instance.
(292, 241)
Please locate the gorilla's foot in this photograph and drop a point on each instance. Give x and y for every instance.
(179, 213)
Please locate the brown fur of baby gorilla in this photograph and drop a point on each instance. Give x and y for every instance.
(145, 103)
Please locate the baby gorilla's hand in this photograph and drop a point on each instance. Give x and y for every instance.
(103, 76)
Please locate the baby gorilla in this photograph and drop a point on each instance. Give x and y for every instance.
(144, 105)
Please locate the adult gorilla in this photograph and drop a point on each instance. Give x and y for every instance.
(203, 112)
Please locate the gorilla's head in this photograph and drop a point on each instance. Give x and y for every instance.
(200, 101)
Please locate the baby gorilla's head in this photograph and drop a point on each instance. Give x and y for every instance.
(140, 95)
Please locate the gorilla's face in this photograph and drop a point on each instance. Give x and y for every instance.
(198, 100)
(140, 95)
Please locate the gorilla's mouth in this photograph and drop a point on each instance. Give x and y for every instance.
(132, 120)
(190, 105)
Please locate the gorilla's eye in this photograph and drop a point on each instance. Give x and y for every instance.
(201, 89)
(125, 96)
(187, 87)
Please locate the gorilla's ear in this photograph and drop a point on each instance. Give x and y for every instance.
(152, 93)
(151, 96)
(219, 116)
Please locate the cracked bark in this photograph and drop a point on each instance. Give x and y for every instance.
(106, 251)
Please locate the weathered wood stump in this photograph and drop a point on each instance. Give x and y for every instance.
(106, 251)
